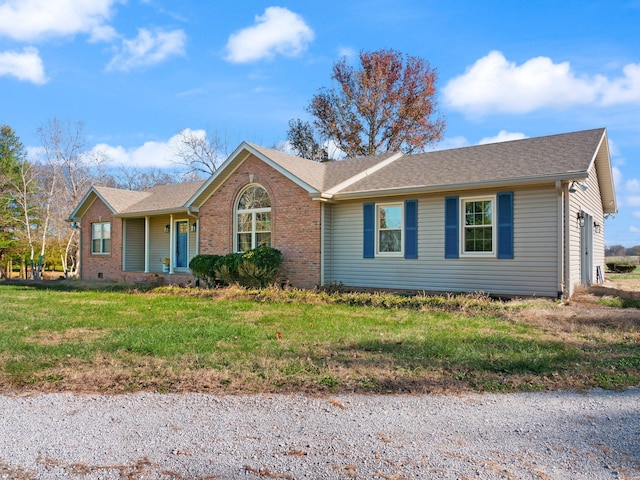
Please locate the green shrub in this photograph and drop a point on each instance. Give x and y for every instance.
(204, 266)
(254, 268)
(620, 267)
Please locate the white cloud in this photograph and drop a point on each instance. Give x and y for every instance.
(632, 185)
(625, 89)
(634, 229)
(148, 48)
(148, 155)
(277, 31)
(103, 33)
(632, 201)
(636, 214)
(493, 84)
(152, 154)
(30, 20)
(503, 136)
(347, 52)
(617, 177)
(25, 66)
(451, 142)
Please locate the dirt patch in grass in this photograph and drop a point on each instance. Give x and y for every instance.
(73, 335)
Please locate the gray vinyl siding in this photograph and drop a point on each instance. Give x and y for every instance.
(327, 240)
(533, 271)
(158, 242)
(134, 245)
(193, 244)
(590, 202)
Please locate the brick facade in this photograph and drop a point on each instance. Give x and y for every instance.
(106, 266)
(295, 221)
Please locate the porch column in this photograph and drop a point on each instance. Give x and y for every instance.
(146, 244)
(172, 243)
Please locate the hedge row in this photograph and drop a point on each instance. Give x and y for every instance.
(621, 267)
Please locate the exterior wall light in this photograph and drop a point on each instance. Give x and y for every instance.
(573, 188)
(166, 229)
(581, 219)
(194, 226)
(597, 227)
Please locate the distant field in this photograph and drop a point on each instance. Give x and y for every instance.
(60, 338)
(634, 260)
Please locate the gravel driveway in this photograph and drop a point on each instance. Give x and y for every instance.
(541, 435)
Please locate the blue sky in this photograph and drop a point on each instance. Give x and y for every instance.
(137, 72)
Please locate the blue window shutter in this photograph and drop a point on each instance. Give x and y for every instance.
(411, 229)
(369, 238)
(505, 224)
(451, 227)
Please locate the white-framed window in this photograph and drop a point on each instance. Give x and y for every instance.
(478, 226)
(252, 219)
(389, 228)
(101, 238)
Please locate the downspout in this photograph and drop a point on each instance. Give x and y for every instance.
(560, 239)
(566, 226)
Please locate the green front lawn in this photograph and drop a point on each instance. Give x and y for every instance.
(234, 341)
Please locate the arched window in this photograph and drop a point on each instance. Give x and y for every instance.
(253, 219)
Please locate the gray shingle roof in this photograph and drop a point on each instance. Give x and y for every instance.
(119, 199)
(550, 156)
(164, 198)
(553, 157)
(322, 176)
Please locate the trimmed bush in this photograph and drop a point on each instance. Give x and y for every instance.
(254, 268)
(621, 267)
(204, 266)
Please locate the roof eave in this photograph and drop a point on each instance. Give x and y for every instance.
(155, 213)
(570, 176)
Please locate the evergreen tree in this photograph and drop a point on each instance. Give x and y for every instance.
(12, 155)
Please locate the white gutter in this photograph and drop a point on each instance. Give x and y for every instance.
(507, 182)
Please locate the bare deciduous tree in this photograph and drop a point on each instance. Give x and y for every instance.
(201, 151)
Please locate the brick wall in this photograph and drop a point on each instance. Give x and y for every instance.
(295, 221)
(109, 265)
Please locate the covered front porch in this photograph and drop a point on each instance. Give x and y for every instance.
(159, 243)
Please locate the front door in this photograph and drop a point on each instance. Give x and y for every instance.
(182, 243)
(586, 247)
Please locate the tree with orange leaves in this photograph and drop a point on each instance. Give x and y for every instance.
(388, 104)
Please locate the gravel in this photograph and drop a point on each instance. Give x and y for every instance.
(146, 435)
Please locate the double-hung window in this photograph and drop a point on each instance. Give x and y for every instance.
(389, 223)
(478, 221)
(101, 238)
